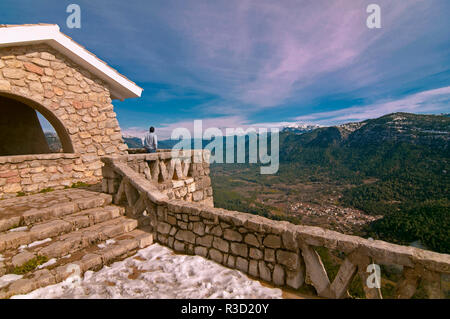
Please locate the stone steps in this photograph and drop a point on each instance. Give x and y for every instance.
(42, 234)
(28, 210)
(90, 257)
(68, 243)
(25, 235)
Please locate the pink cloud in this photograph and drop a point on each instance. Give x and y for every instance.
(260, 52)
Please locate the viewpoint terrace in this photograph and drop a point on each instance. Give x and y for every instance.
(166, 196)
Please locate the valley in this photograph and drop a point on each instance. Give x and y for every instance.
(303, 202)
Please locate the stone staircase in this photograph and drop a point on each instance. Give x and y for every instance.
(42, 234)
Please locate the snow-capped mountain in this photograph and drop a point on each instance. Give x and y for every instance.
(300, 128)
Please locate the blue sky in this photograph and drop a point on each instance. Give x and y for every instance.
(241, 63)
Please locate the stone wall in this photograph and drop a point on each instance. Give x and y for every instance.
(74, 101)
(232, 239)
(33, 173)
(277, 252)
(178, 177)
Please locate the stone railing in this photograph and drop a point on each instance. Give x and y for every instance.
(277, 252)
(33, 173)
(177, 177)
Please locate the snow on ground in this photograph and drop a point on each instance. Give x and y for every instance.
(107, 243)
(157, 272)
(19, 229)
(48, 263)
(6, 279)
(39, 242)
(35, 243)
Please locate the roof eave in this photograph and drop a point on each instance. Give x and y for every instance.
(120, 87)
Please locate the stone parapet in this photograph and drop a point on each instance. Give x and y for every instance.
(34, 173)
(179, 174)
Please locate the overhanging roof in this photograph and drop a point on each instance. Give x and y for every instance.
(15, 35)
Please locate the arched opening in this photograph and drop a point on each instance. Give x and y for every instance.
(21, 131)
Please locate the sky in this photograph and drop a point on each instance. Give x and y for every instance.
(261, 63)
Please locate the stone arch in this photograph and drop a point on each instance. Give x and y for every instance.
(59, 127)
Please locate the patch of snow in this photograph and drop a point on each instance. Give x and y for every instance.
(19, 229)
(1, 257)
(303, 126)
(35, 243)
(156, 272)
(39, 242)
(67, 256)
(48, 263)
(107, 243)
(7, 279)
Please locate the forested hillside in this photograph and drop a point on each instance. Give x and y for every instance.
(396, 166)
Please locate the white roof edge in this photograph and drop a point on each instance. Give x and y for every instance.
(121, 87)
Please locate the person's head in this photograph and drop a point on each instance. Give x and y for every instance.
(152, 129)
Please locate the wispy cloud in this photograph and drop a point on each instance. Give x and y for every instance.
(260, 53)
(250, 57)
(431, 101)
(242, 62)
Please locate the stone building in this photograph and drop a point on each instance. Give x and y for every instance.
(43, 70)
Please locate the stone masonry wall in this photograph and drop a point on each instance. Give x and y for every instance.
(268, 253)
(78, 99)
(33, 173)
